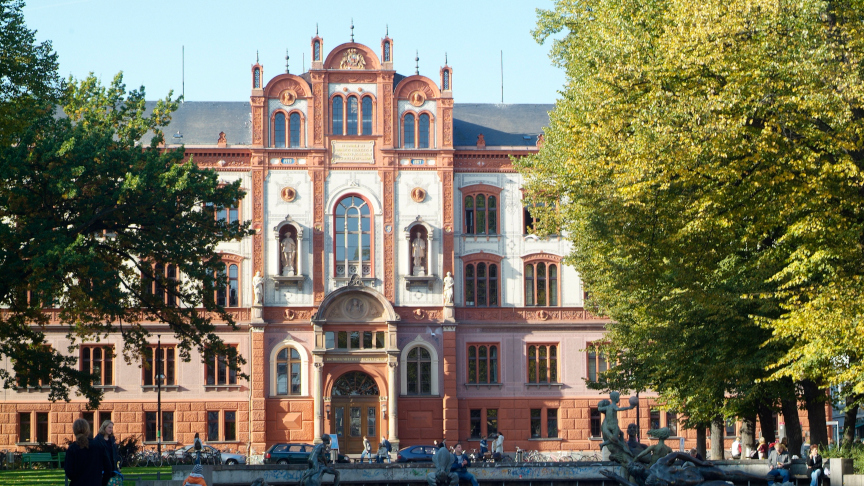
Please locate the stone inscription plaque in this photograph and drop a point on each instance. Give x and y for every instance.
(352, 152)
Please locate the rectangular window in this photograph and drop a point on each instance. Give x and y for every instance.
(89, 417)
(543, 363)
(355, 339)
(491, 421)
(730, 428)
(167, 426)
(329, 340)
(41, 426)
(476, 419)
(99, 362)
(536, 413)
(25, 428)
(218, 372)
(367, 339)
(371, 415)
(379, 340)
(32, 376)
(213, 426)
(230, 426)
(164, 365)
(672, 423)
(597, 363)
(150, 426)
(552, 423)
(655, 419)
(342, 340)
(595, 423)
(482, 363)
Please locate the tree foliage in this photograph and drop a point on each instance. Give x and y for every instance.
(86, 214)
(705, 160)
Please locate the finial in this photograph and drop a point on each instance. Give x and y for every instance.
(445, 58)
(352, 29)
(286, 61)
(417, 62)
(256, 56)
(316, 29)
(386, 30)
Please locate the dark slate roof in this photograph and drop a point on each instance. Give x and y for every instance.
(199, 123)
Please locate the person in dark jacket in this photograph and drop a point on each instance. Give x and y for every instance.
(105, 438)
(86, 461)
(814, 465)
(779, 463)
(460, 463)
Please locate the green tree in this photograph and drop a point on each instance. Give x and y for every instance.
(86, 214)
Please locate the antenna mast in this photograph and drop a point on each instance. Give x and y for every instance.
(183, 69)
(502, 76)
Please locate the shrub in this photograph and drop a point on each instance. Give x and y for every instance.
(128, 448)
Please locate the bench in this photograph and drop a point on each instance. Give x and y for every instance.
(29, 458)
(61, 460)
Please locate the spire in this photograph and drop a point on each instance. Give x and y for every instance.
(386, 30)
(286, 61)
(256, 57)
(445, 58)
(316, 29)
(417, 62)
(352, 29)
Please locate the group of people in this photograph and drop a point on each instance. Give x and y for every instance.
(93, 461)
(779, 463)
(384, 450)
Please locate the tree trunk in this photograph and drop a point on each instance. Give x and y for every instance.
(793, 424)
(814, 400)
(766, 422)
(718, 431)
(748, 434)
(851, 417)
(700, 440)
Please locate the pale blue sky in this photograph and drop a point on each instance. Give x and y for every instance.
(144, 39)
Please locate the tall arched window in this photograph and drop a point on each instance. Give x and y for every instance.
(423, 132)
(446, 80)
(480, 205)
(279, 130)
(337, 115)
(256, 78)
(353, 114)
(316, 51)
(386, 52)
(409, 131)
(228, 292)
(481, 284)
(353, 237)
(295, 130)
(367, 115)
(289, 379)
(419, 372)
(541, 280)
(164, 279)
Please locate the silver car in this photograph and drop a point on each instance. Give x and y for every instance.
(208, 455)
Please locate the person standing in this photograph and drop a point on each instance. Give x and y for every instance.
(367, 450)
(196, 478)
(736, 448)
(460, 462)
(778, 464)
(106, 440)
(762, 449)
(484, 446)
(387, 446)
(197, 446)
(814, 465)
(86, 461)
(382, 453)
(498, 447)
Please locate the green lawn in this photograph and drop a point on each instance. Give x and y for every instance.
(54, 477)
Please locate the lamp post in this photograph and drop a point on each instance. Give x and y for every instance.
(159, 395)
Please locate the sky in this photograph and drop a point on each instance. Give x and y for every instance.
(145, 40)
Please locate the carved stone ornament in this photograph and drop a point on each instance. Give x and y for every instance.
(287, 97)
(417, 98)
(352, 60)
(289, 314)
(419, 314)
(418, 194)
(222, 142)
(355, 308)
(288, 194)
(355, 281)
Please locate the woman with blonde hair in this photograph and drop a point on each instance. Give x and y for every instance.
(86, 462)
(106, 439)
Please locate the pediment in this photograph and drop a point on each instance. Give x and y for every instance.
(355, 307)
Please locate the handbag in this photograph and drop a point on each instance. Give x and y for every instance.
(116, 480)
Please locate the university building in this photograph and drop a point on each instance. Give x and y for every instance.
(393, 285)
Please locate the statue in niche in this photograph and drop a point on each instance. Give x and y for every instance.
(289, 255)
(258, 288)
(418, 254)
(448, 289)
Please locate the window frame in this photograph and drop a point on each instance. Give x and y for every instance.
(598, 354)
(371, 232)
(152, 372)
(544, 422)
(488, 358)
(433, 369)
(594, 418)
(221, 425)
(42, 384)
(301, 137)
(160, 427)
(485, 190)
(346, 97)
(215, 363)
(35, 426)
(289, 361)
(473, 260)
(549, 367)
(105, 348)
(415, 131)
(534, 260)
(160, 273)
(304, 368)
(230, 259)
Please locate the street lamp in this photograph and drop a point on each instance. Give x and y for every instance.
(159, 395)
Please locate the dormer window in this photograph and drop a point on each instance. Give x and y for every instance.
(356, 118)
(292, 132)
(416, 130)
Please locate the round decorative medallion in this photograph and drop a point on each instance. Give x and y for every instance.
(355, 308)
(287, 97)
(418, 194)
(388, 228)
(419, 314)
(289, 314)
(360, 90)
(288, 194)
(448, 228)
(417, 98)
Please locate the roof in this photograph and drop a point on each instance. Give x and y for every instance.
(199, 123)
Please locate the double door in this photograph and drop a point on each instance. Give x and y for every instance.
(354, 418)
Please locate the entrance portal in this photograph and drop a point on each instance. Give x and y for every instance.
(354, 401)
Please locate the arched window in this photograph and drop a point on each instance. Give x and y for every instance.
(541, 281)
(164, 278)
(409, 131)
(367, 115)
(446, 80)
(386, 52)
(279, 130)
(480, 206)
(353, 237)
(482, 363)
(295, 130)
(481, 284)
(316, 51)
(256, 78)
(337, 115)
(353, 114)
(289, 379)
(419, 372)
(543, 363)
(228, 290)
(423, 132)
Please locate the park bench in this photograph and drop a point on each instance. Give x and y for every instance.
(30, 458)
(61, 460)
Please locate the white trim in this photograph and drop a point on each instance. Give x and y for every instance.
(304, 367)
(403, 364)
(362, 190)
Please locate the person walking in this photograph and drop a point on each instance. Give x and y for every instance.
(367, 450)
(736, 448)
(196, 477)
(484, 446)
(814, 465)
(762, 449)
(86, 461)
(105, 438)
(197, 446)
(460, 463)
(779, 464)
(498, 447)
(387, 446)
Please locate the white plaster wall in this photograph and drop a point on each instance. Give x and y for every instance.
(299, 105)
(403, 106)
(275, 211)
(407, 211)
(244, 246)
(352, 88)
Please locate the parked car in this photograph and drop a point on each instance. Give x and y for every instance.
(284, 453)
(418, 453)
(209, 455)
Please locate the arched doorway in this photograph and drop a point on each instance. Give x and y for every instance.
(354, 403)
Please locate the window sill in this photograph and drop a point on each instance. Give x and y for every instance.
(31, 389)
(30, 444)
(222, 442)
(546, 439)
(106, 387)
(222, 387)
(366, 280)
(163, 443)
(289, 397)
(296, 281)
(547, 385)
(428, 281)
(484, 385)
(164, 388)
(595, 438)
(477, 236)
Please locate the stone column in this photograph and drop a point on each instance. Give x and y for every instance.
(450, 402)
(318, 393)
(392, 398)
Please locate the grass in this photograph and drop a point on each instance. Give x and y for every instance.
(55, 477)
